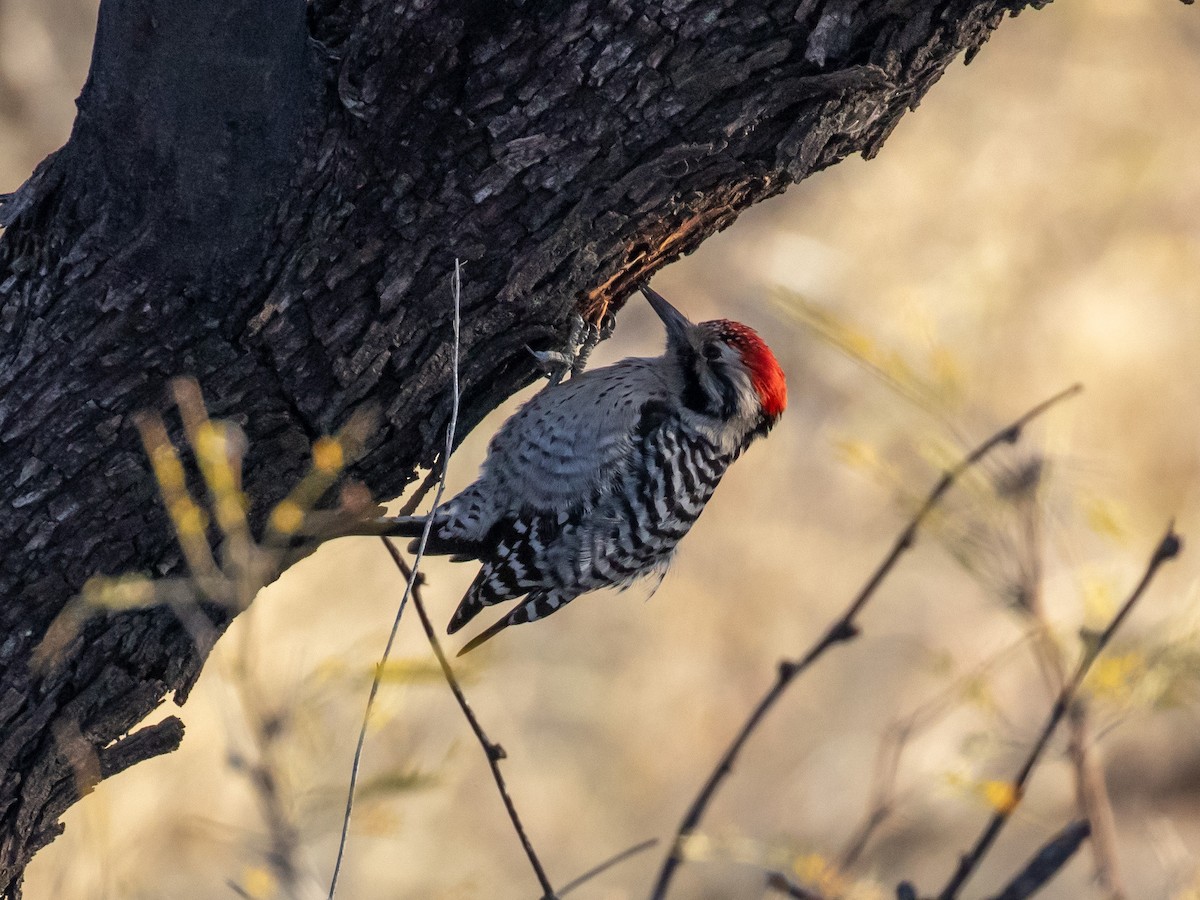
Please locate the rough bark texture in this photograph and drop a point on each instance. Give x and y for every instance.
(270, 197)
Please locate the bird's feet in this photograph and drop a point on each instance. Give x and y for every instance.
(582, 339)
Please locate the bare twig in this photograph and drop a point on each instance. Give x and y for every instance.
(844, 629)
(1047, 862)
(431, 479)
(603, 867)
(1091, 793)
(493, 751)
(387, 650)
(262, 770)
(1092, 800)
(777, 881)
(1168, 548)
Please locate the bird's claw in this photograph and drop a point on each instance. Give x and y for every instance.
(553, 363)
(581, 341)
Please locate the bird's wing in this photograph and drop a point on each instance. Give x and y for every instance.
(570, 441)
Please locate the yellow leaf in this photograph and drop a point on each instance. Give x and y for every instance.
(328, 456)
(287, 517)
(231, 510)
(407, 671)
(696, 846)
(125, 592)
(1099, 600)
(1105, 518)
(947, 371)
(810, 868)
(858, 455)
(978, 692)
(857, 344)
(167, 468)
(258, 882)
(1114, 677)
(1002, 796)
(188, 517)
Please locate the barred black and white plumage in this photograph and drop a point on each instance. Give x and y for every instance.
(593, 482)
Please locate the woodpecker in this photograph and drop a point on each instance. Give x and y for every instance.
(594, 481)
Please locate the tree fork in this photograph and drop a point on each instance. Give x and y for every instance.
(270, 196)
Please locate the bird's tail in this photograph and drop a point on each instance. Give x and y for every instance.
(389, 526)
(537, 605)
(462, 549)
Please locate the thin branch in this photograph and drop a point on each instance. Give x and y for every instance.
(493, 751)
(844, 629)
(1091, 793)
(603, 867)
(456, 287)
(777, 881)
(1168, 548)
(1047, 862)
(1092, 800)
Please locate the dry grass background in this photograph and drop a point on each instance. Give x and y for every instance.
(1033, 224)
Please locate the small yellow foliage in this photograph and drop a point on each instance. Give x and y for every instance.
(858, 455)
(810, 867)
(128, 592)
(167, 468)
(1105, 518)
(259, 883)
(696, 847)
(286, 517)
(896, 369)
(1115, 677)
(857, 344)
(231, 510)
(1099, 600)
(211, 442)
(408, 671)
(1002, 796)
(978, 692)
(815, 871)
(376, 820)
(188, 517)
(328, 456)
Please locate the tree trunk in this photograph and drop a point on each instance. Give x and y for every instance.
(270, 196)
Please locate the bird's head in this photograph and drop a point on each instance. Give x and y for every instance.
(728, 371)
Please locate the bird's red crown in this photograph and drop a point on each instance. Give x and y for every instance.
(765, 372)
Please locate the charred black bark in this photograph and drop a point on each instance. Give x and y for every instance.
(270, 197)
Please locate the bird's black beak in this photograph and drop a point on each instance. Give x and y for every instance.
(676, 323)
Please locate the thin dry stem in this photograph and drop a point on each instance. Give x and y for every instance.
(1091, 797)
(1168, 548)
(603, 867)
(842, 630)
(493, 751)
(1091, 792)
(777, 881)
(356, 765)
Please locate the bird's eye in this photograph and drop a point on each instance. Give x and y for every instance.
(711, 352)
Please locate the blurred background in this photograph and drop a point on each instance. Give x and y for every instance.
(1032, 225)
